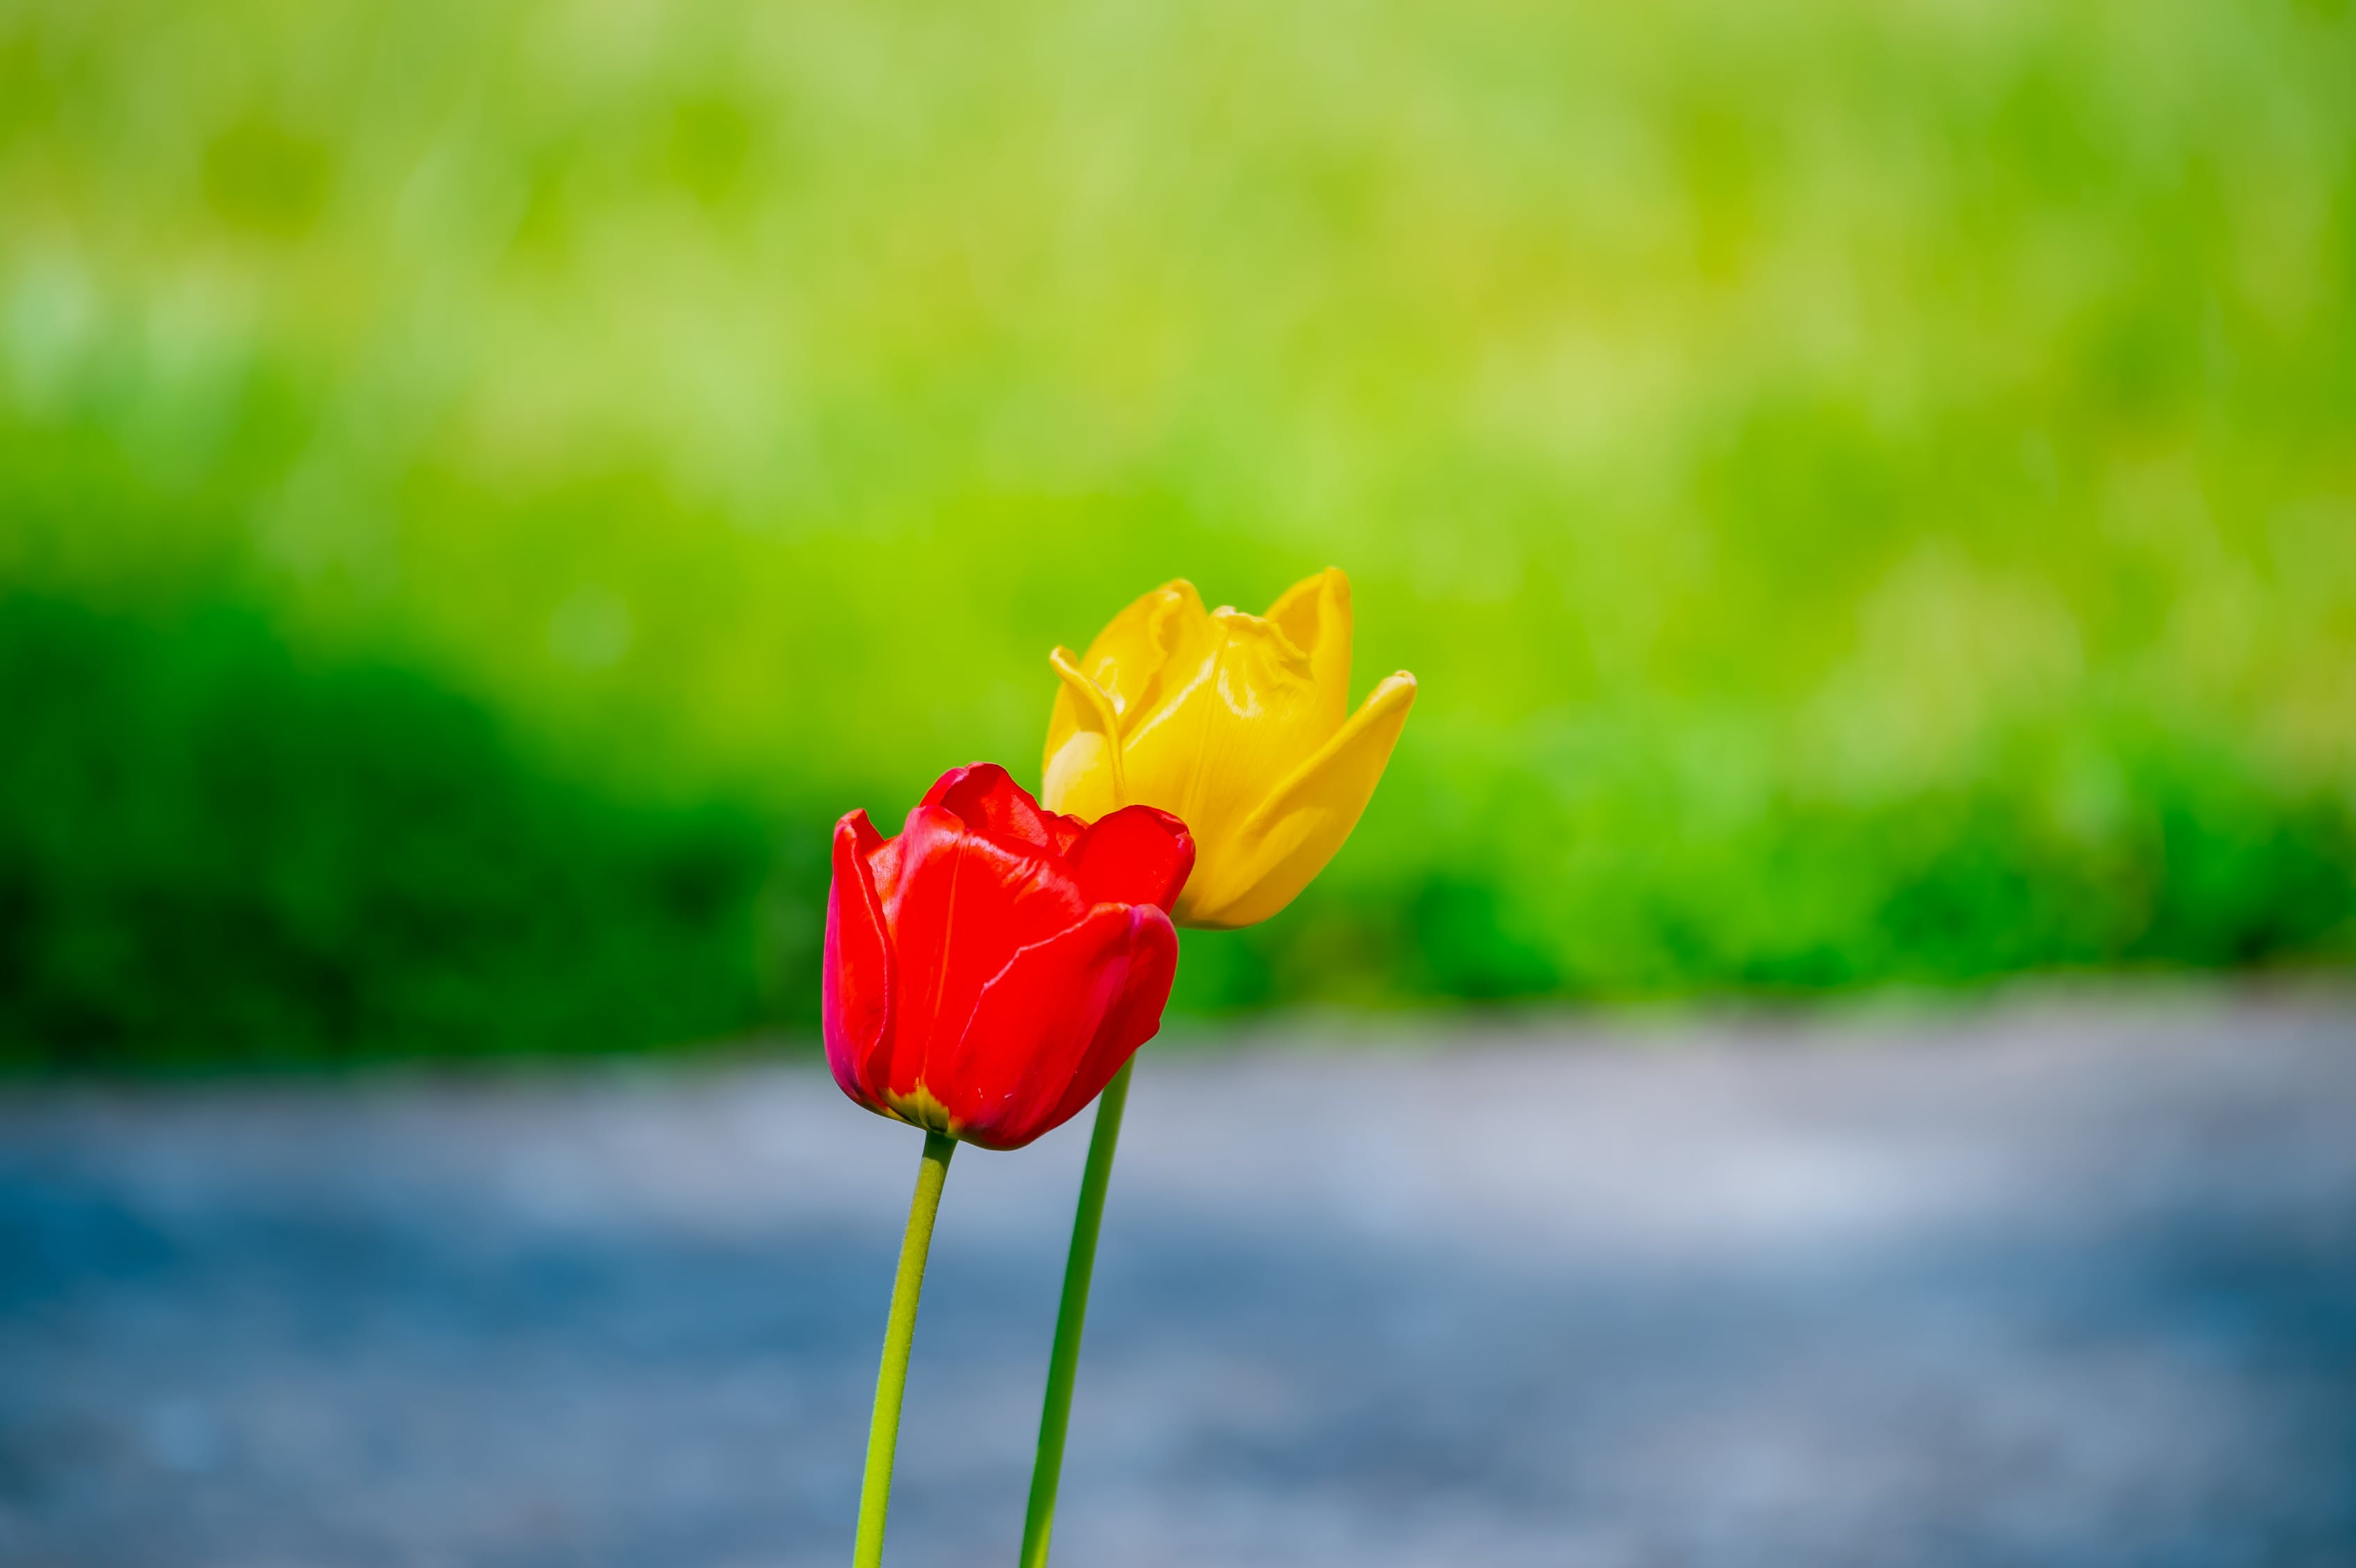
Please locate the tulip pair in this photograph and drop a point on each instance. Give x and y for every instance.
(994, 969)
(988, 971)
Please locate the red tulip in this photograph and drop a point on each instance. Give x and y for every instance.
(989, 970)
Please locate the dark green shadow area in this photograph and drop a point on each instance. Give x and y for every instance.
(214, 853)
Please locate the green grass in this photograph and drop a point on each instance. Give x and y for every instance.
(1868, 489)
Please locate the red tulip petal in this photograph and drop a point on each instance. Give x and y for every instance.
(1135, 1015)
(1048, 1032)
(963, 903)
(1134, 856)
(883, 858)
(855, 989)
(992, 804)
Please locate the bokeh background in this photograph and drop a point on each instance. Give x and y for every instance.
(1868, 487)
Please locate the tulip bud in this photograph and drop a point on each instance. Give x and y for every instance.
(1239, 724)
(989, 970)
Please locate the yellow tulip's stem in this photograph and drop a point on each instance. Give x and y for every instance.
(1064, 1362)
(899, 1334)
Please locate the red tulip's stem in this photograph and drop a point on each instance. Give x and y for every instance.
(1064, 1362)
(899, 1334)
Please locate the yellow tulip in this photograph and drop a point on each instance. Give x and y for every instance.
(1239, 724)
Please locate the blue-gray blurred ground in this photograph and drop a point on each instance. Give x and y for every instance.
(2059, 1282)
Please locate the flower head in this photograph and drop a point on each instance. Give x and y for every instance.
(1240, 724)
(988, 970)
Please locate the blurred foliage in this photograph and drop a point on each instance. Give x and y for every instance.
(209, 853)
(1869, 489)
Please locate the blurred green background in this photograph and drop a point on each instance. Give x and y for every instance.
(1868, 488)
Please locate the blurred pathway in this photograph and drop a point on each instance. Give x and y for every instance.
(2055, 1283)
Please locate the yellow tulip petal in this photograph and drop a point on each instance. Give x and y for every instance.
(1234, 722)
(1221, 732)
(1083, 775)
(1315, 613)
(1158, 630)
(1272, 855)
(1128, 658)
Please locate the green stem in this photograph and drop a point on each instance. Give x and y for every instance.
(899, 1334)
(1071, 1316)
